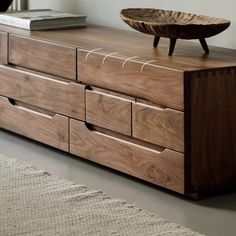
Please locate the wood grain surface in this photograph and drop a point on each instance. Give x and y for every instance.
(3, 48)
(187, 56)
(213, 130)
(108, 111)
(165, 168)
(164, 127)
(149, 82)
(51, 130)
(127, 138)
(42, 56)
(65, 98)
(203, 86)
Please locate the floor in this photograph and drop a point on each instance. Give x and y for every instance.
(214, 216)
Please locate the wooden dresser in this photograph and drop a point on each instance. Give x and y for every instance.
(108, 96)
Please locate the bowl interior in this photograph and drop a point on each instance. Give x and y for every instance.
(158, 16)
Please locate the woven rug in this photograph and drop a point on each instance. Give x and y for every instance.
(34, 202)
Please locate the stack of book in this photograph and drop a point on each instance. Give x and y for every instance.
(45, 19)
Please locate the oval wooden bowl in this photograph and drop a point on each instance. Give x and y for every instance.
(173, 24)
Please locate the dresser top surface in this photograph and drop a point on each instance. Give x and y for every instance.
(188, 56)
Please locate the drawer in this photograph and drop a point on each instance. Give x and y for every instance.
(108, 111)
(164, 127)
(61, 97)
(164, 168)
(51, 130)
(160, 85)
(3, 47)
(43, 56)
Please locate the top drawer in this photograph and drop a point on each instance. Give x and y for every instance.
(159, 85)
(43, 56)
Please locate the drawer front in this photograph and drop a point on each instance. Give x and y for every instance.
(165, 168)
(43, 56)
(47, 93)
(164, 127)
(108, 111)
(159, 85)
(51, 130)
(3, 47)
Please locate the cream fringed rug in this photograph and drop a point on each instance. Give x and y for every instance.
(33, 202)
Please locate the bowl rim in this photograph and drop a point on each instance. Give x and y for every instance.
(125, 17)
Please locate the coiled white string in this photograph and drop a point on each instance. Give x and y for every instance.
(94, 50)
(108, 55)
(128, 59)
(146, 63)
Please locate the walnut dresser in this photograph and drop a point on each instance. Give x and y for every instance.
(107, 96)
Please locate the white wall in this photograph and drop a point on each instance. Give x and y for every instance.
(106, 12)
(65, 5)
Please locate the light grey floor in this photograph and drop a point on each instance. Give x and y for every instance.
(213, 216)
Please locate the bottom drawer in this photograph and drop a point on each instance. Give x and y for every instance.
(51, 130)
(164, 168)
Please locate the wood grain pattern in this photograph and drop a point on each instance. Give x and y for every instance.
(108, 111)
(187, 56)
(203, 86)
(53, 95)
(165, 168)
(51, 130)
(213, 130)
(173, 24)
(3, 48)
(164, 127)
(43, 56)
(148, 82)
(120, 95)
(127, 138)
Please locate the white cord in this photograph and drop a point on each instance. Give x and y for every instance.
(128, 59)
(108, 55)
(94, 50)
(146, 63)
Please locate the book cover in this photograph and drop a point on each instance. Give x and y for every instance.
(44, 19)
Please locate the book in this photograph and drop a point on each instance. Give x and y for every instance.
(43, 19)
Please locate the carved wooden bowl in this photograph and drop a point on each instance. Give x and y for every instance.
(174, 25)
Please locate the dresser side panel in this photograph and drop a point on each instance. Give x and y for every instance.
(213, 130)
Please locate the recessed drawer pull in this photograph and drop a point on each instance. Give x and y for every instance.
(46, 128)
(108, 134)
(12, 101)
(42, 76)
(31, 109)
(155, 107)
(30, 73)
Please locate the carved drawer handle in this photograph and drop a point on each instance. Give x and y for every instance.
(113, 135)
(154, 107)
(31, 109)
(37, 75)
